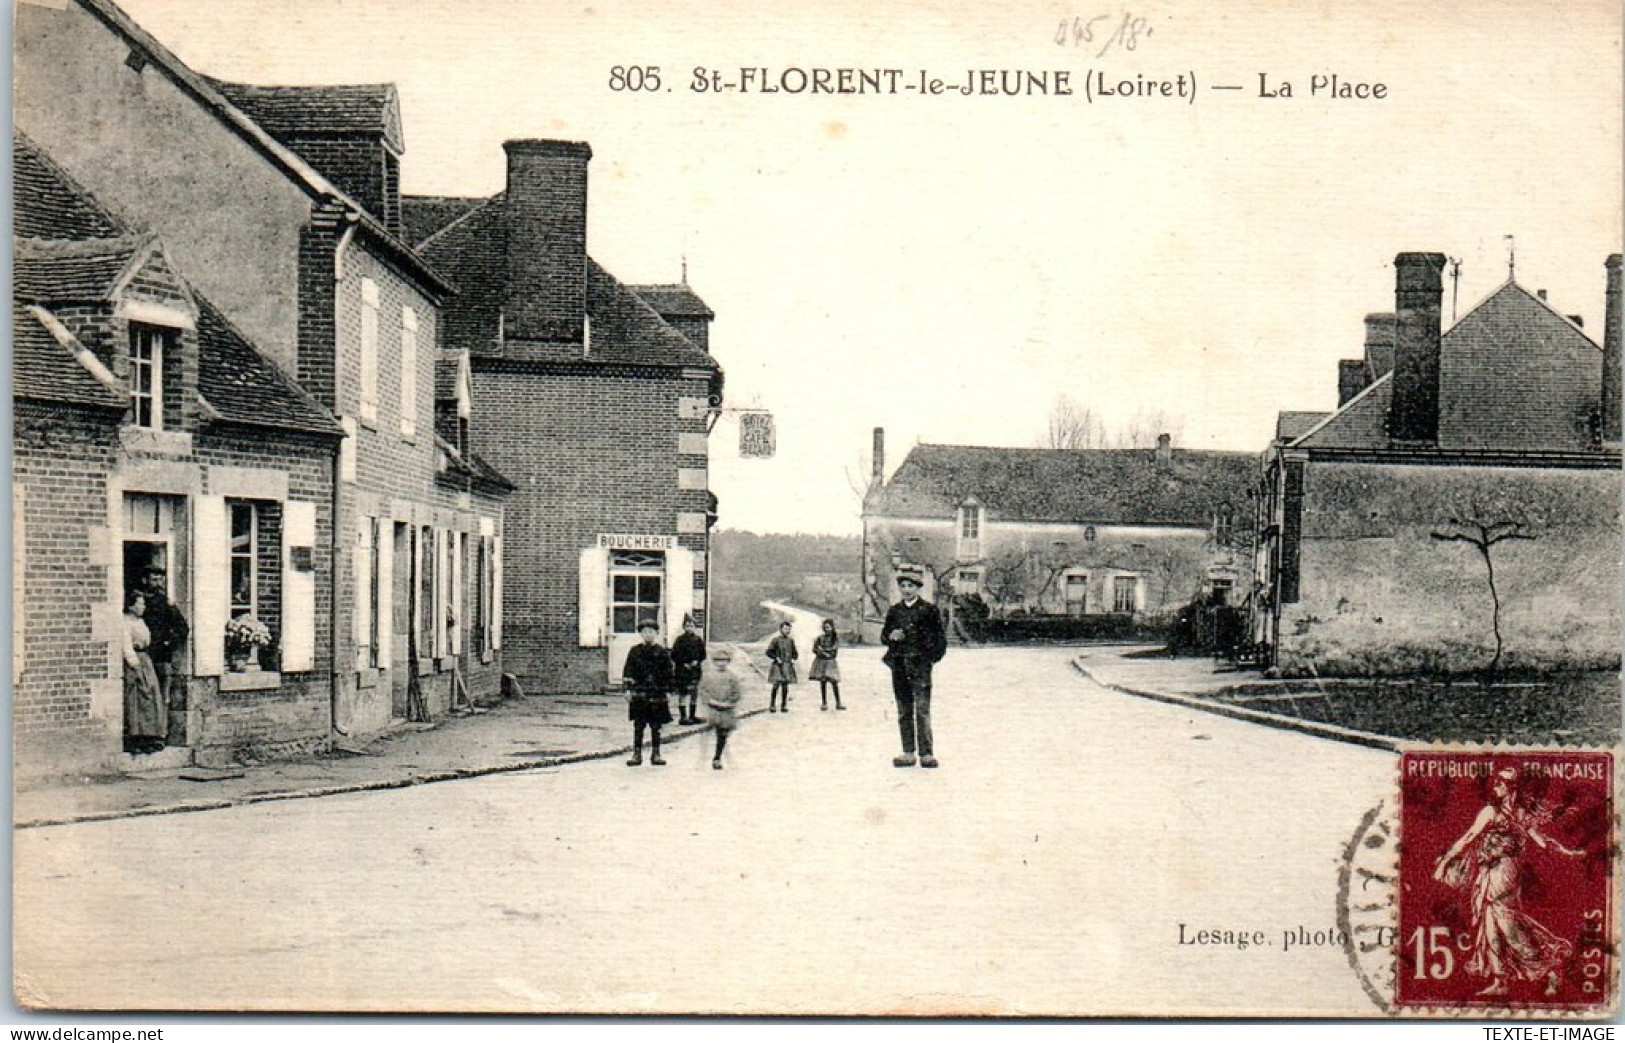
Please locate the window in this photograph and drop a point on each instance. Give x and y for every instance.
(970, 581)
(1076, 593)
(254, 570)
(369, 350)
(481, 621)
(635, 590)
(1125, 593)
(1219, 591)
(970, 522)
(1224, 525)
(409, 372)
(147, 352)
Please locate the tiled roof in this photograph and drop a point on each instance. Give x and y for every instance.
(1105, 486)
(1514, 374)
(82, 270)
(423, 216)
(43, 368)
(288, 113)
(48, 204)
(1290, 425)
(471, 465)
(244, 387)
(625, 329)
(674, 301)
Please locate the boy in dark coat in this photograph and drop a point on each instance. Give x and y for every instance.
(647, 676)
(915, 642)
(687, 662)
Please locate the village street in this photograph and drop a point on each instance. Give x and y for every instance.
(1046, 867)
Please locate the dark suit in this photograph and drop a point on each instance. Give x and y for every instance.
(923, 644)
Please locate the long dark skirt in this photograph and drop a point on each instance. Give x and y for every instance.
(145, 715)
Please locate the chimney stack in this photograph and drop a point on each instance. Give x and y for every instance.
(1418, 293)
(546, 297)
(1610, 356)
(1379, 343)
(1165, 450)
(1353, 377)
(878, 468)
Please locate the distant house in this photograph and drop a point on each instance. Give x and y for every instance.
(1493, 444)
(1056, 531)
(601, 396)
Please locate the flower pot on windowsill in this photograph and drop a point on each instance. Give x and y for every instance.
(243, 662)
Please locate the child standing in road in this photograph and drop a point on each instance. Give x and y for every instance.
(781, 651)
(647, 676)
(825, 670)
(687, 658)
(722, 695)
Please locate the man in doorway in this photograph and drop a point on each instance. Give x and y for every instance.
(915, 642)
(169, 632)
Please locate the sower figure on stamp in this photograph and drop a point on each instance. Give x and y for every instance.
(687, 663)
(647, 676)
(915, 642)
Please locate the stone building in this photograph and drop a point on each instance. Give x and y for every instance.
(1460, 509)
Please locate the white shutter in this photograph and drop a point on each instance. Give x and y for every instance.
(409, 372)
(386, 591)
(459, 603)
(361, 612)
(496, 592)
(298, 588)
(591, 595)
(19, 569)
(442, 587)
(679, 588)
(211, 585)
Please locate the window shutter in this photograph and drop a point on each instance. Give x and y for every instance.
(591, 594)
(361, 609)
(459, 603)
(386, 592)
(298, 588)
(442, 587)
(409, 372)
(19, 569)
(211, 587)
(679, 588)
(496, 593)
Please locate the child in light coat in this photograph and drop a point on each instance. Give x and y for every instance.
(722, 692)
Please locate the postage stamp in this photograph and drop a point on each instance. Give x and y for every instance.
(1507, 883)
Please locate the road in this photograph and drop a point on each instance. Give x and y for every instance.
(1045, 868)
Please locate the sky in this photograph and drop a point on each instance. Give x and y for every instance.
(944, 266)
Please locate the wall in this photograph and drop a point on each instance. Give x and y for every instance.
(153, 155)
(593, 450)
(1379, 594)
(67, 705)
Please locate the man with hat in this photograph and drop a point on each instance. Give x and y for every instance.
(169, 631)
(915, 642)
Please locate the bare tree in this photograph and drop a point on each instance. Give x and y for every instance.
(1142, 431)
(1008, 577)
(1483, 536)
(1072, 426)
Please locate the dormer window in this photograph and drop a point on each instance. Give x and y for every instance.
(970, 522)
(148, 349)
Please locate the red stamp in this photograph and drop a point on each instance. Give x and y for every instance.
(1507, 886)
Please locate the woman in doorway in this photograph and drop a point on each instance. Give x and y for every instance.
(781, 651)
(146, 719)
(825, 670)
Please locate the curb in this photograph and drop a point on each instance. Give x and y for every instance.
(367, 786)
(1241, 713)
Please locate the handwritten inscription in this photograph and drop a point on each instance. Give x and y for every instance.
(1123, 32)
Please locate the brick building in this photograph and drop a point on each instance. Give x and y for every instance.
(1495, 442)
(599, 396)
(281, 207)
(1058, 531)
(150, 434)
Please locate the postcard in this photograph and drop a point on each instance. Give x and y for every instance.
(890, 509)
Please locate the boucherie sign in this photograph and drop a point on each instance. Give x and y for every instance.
(635, 541)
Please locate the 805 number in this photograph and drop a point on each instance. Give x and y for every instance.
(634, 77)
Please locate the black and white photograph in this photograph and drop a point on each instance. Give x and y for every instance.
(897, 509)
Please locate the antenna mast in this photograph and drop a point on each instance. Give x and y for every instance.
(1455, 285)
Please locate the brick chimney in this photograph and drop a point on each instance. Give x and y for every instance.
(877, 471)
(1353, 376)
(1610, 356)
(1165, 451)
(546, 298)
(1379, 342)
(1418, 292)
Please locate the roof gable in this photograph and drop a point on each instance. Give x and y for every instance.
(674, 301)
(54, 270)
(370, 110)
(1361, 423)
(48, 204)
(1103, 486)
